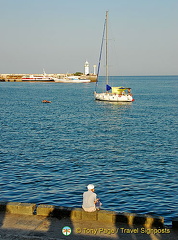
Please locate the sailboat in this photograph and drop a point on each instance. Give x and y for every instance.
(112, 94)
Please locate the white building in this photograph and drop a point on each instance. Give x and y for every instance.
(94, 69)
(86, 68)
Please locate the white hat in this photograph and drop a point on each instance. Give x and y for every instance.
(90, 186)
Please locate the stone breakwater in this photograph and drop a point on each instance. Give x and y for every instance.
(18, 77)
(78, 214)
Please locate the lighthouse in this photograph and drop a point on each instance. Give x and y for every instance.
(86, 68)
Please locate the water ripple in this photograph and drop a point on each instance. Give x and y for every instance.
(50, 152)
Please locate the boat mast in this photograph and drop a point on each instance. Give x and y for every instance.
(107, 48)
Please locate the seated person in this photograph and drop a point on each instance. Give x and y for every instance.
(90, 202)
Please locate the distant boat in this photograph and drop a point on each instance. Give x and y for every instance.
(117, 94)
(46, 101)
(42, 78)
(72, 79)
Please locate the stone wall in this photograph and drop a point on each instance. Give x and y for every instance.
(78, 214)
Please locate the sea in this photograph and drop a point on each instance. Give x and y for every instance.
(50, 152)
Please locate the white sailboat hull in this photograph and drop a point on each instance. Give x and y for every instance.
(112, 97)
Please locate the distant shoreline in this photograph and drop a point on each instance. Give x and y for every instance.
(18, 77)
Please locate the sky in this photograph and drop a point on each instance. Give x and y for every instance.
(60, 35)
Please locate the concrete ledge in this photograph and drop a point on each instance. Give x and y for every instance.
(53, 211)
(44, 210)
(78, 214)
(143, 219)
(175, 223)
(130, 219)
(89, 216)
(61, 212)
(100, 216)
(19, 208)
(106, 216)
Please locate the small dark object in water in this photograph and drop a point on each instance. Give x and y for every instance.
(45, 101)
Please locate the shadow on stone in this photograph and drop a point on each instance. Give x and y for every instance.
(2, 212)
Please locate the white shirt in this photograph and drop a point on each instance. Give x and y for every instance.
(88, 199)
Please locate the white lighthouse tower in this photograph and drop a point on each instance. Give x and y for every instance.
(86, 68)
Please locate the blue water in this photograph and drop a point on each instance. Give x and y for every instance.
(50, 152)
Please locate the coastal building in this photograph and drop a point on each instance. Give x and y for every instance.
(94, 69)
(86, 68)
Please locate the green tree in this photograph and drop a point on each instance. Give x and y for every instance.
(78, 74)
